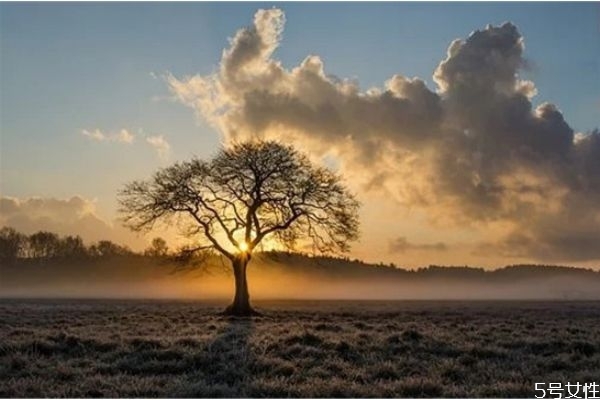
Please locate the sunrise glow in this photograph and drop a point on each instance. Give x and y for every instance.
(243, 247)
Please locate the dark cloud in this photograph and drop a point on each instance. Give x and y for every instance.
(402, 245)
(474, 151)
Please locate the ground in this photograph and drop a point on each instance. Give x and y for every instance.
(71, 348)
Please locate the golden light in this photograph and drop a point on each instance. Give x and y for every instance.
(243, 247)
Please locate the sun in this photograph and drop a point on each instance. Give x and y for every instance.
(243, 247)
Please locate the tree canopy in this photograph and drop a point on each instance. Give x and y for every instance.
(247, 193)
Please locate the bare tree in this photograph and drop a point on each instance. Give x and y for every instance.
(44, 244)
(158, 248)
(72, 247)
(247, 193)
(12, 245)
(106, 248)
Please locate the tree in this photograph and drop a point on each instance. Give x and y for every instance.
(158, 248)
(106, 248)
(12, 244)
(44, 244)
(72, 247)
(246, 194)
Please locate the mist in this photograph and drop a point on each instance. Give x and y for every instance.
(291, 277)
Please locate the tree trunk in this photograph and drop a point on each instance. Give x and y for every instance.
(241, 301)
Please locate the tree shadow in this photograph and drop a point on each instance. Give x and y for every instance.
(226, 370)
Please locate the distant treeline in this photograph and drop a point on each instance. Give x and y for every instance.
(348, 267)
(43, 245)
(46, 246)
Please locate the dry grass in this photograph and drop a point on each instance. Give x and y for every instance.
(298, 349)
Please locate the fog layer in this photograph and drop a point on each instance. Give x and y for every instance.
(291, 277)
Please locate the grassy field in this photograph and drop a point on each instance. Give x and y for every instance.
(318, 349)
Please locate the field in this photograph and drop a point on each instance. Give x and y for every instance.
(72, 348)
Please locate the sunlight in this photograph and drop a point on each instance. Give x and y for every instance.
(243, 247)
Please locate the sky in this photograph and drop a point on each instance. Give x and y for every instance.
(95, 95)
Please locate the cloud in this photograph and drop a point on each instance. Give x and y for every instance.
(475, 151)
(123, 136)
(160, 144)
(96, 135)
(402, 245)
(72, 216)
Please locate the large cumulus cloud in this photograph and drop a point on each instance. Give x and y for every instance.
(474, 151)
